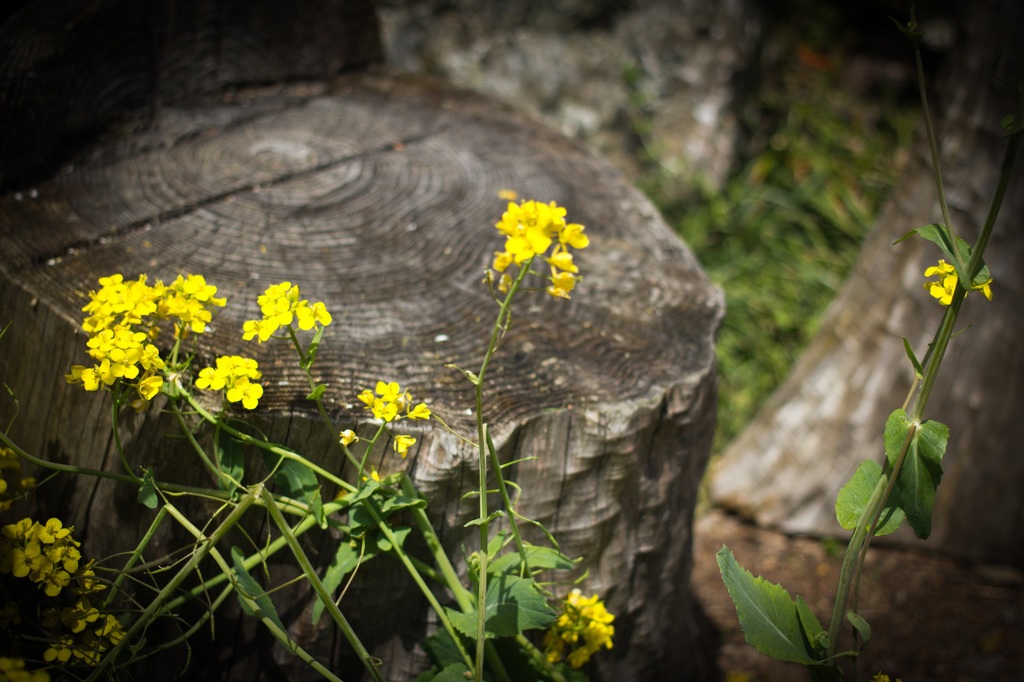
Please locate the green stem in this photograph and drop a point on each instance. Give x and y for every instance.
(270, 447)
(99, 473)
(933, 145)
(136, 555)
(499, 328)
(115, 405)
(222, 478)
(202, 549)
(524, 568)
(318, 587)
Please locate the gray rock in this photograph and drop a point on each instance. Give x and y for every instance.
(653, 81)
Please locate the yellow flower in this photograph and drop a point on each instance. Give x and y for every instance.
(582, 630)
(348, 437)
(13, 669)
(944, 285)
(388, 402)
(281, 306)
(530, 228)
(421, 411)
(60, 650)
(235, 374)
(402, 444)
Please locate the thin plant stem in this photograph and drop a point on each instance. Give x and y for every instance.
(499, 328)
(202, 549)
(318, 587)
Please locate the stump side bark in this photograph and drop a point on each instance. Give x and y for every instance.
(377, 195)
(785, 469)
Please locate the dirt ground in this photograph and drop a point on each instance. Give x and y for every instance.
(933, 617)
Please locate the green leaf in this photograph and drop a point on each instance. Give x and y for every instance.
(230, 458)
(937, 234)
(147, 496)
(253, 590)
(854, 496)
(918, 370)
(441, 649)
(456, 672)
(922, 470)
(767, 613)
(297, 481)
(813, 632)
(400, 533)
(860, 625)
(345, 560)
(317, 392)
(513, 606)
(396, 503)
(497, 514)
(540, 558)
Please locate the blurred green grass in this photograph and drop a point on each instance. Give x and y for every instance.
(782, 233)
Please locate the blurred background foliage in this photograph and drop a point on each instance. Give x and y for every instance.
(829, 127)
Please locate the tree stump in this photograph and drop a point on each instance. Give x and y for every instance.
(786, 467)
(377, 195)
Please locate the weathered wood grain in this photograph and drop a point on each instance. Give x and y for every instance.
(378, 196)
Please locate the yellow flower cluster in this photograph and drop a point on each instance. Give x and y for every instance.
(388, 402)
(44, 553)
(10, 463)
(944, 285)
(13, 670)
(530, 228)
(122, 319)
(235, 376)
(281, 305)
(582, 629)
(92, 633)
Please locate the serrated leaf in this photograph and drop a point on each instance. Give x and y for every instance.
(767, 614)
(854, 496)
(441, 649)
(513, 606)
(253, 590)
(147, 496)
(230, 458)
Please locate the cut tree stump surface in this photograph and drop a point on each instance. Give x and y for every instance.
(378, 195)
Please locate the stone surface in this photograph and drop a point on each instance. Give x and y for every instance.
(652, 80)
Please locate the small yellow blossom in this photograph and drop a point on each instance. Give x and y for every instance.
(421, 411)
(581, 631)
(13, 669)
(530, 228)
(402, 444)
(347, 437)
(389, 402)
(944, 285)
(281, 306)
(236, 376)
